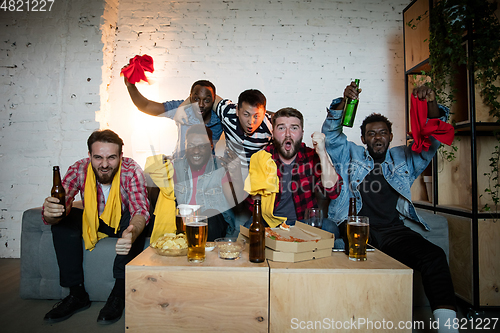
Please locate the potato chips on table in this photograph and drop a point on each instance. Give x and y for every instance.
(171, 245)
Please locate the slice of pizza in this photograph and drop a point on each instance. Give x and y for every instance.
(284, 226)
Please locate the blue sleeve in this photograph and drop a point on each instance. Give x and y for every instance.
(417, 162)
(335, 102)
(335, 140)
(171, 107)
(445, 111)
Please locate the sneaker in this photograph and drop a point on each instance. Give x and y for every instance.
(66, 308)
(112, 310)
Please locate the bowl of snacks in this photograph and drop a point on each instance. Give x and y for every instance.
(229, 248)
(209, 246)
(171, 245)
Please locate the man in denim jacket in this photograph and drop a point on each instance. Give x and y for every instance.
(201, 178)
(380, 179)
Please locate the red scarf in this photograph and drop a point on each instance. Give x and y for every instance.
(134, 72)
(422, 128)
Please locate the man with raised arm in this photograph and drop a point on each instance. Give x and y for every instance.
(246, 125)
(379, 178)
(197, 109)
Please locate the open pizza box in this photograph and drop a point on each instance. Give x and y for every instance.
(318, 243)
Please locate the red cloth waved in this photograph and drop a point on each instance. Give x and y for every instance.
(422, 129)
(135, 71)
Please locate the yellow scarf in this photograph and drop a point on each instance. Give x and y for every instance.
(263, 179)
(162, 175)
(112, 211)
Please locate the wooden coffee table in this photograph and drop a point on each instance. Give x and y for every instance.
(169, 294)
(337, 294)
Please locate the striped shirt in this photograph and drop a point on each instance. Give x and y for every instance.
(236, 138)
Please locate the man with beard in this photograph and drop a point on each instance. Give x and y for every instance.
(301, 170)
(197, 109)
(379, 179)
(115, 204)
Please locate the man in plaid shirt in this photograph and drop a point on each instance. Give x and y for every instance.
(302, 171)
(126, 197)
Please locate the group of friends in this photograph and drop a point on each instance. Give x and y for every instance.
(264, 155)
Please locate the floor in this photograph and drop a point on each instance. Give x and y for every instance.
(19, 316)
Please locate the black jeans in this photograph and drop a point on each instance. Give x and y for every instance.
(411, 249)
(68, 243)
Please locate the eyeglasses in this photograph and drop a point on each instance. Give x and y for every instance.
(204, 146)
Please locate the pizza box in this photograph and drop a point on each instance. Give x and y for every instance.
(297, 256)
(318, 239)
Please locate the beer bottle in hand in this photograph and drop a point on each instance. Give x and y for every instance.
(257, 235)
(58, 190)
(352, 212)
(350, 107)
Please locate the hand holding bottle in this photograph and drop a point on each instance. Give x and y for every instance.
(352, 91)
(52, 207)
(350, 104)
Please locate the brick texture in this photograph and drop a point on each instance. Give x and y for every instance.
(59, 74)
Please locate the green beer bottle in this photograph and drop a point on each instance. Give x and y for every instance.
(350, 107)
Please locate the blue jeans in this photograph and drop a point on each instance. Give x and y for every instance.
(328, 225)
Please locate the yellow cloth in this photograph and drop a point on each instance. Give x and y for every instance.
(263, 179)
(162, 174)
(112, 211)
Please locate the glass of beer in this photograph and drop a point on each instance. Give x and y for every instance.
(314, 217)
(181, 219)
(357, 233)
(196, 234)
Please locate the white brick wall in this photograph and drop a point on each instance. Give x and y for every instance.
(299, 53)
(47, 108)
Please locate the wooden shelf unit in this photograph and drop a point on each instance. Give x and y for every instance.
(458, 186)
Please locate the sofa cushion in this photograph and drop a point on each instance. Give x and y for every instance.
(39, 269)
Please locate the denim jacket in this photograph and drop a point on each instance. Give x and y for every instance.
(214, 124)
(209, 192)
(353, 162)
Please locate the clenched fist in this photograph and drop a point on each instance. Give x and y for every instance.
(318, 141)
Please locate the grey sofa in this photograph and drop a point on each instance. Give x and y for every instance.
(40, 272)
(39, 269)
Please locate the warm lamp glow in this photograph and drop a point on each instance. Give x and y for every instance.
(151, 135)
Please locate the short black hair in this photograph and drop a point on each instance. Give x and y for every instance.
(375, 118)
(288, 112)
(105, 135)
(204, 83)
(253, 97)
(200, 129)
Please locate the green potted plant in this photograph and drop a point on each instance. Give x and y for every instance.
(451, 22)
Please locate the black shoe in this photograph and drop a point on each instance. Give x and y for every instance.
(112, 311)
(66, 308)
